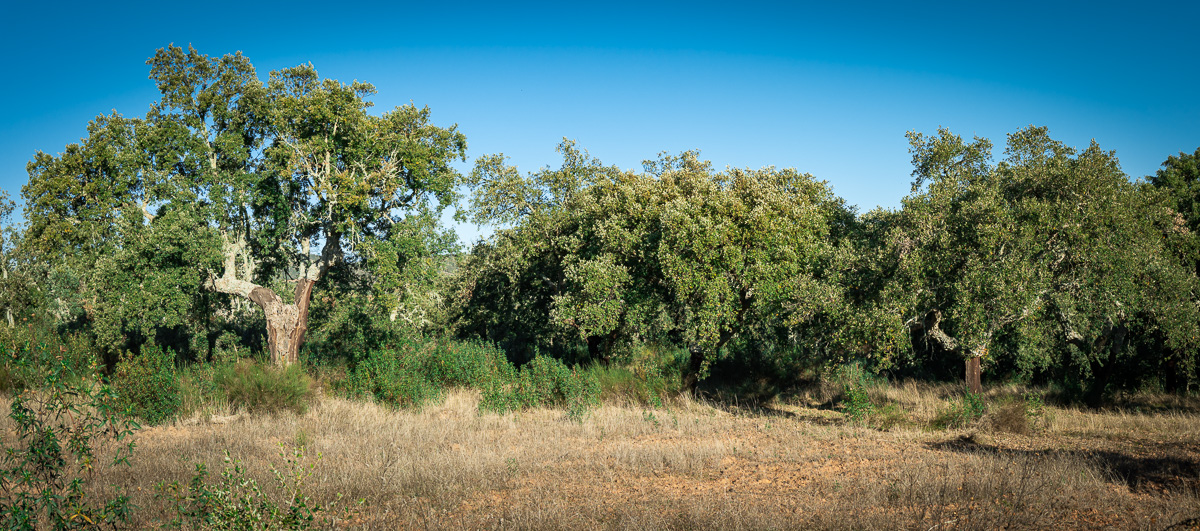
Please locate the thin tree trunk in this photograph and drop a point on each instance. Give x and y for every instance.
(973, 375)
(692, 376)
(8, 311)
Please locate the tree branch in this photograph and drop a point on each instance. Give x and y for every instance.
(228, 281)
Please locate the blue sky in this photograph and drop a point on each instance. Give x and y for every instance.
(827, 89)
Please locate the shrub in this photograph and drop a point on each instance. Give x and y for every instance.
(30, 347)
(968, 408)
(236, 501)
(146, 384)
(393, 378)
(258, 388)
(651, 375)
(853, 382)
(418, 370)
(199, 390)
(228, 349)
(1018, 415)
(61, 426)
(464, 364)
(544, 381)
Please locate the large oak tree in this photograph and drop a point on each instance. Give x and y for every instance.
(282, 179)
(1053, 247)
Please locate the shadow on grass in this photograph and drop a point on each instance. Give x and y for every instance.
(1152, 474)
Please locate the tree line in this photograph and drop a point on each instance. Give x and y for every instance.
(282, 216)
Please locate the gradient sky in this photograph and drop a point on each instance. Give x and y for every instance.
(827, 89)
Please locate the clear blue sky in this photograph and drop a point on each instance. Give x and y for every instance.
(827, 88)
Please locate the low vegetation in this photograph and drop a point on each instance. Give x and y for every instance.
(845, 451)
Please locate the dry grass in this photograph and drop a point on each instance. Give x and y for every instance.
(699, 466)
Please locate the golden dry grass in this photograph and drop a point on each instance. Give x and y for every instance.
(699, 466)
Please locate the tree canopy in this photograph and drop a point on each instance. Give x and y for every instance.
(1053, 250)
(238, 207)
(236, 185)
(681, 253)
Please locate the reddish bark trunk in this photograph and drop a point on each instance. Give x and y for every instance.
(286, 323)
(974, 383)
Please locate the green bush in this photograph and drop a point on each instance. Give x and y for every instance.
(199, 390)
(147, 385)
(854, 382)
(258, 388)
(392, 377)
(236, 502)
(543, 382)
(968, 408)
(416, 370)
(648, 376)
(228, 349)
(59, 424)
(464, 364)
(30, 347)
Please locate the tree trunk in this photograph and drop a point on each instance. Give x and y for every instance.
(593, 347)
(286, 323)
(973, 375)
(692, 376)
(8, 311)
(1113, 340)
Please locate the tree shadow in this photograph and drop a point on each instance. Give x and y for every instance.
(744, 406)
(1141, 474)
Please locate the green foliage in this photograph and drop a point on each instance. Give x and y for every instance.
(1037, 417)
(34, 344)
(61, 425)
(224, 186)
(1051, 257)
(418, 370)
(543, 382)
(264, 388)
(235, 501)
(647, 376)
(147, 384)
(392, 377)
(854, 382)
(681, 254)
(153, 284)
(961, 412)
(19, 293)
(1180, 179)
(199, 391)
(227, 348)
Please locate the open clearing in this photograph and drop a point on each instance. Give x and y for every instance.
(695, 465)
